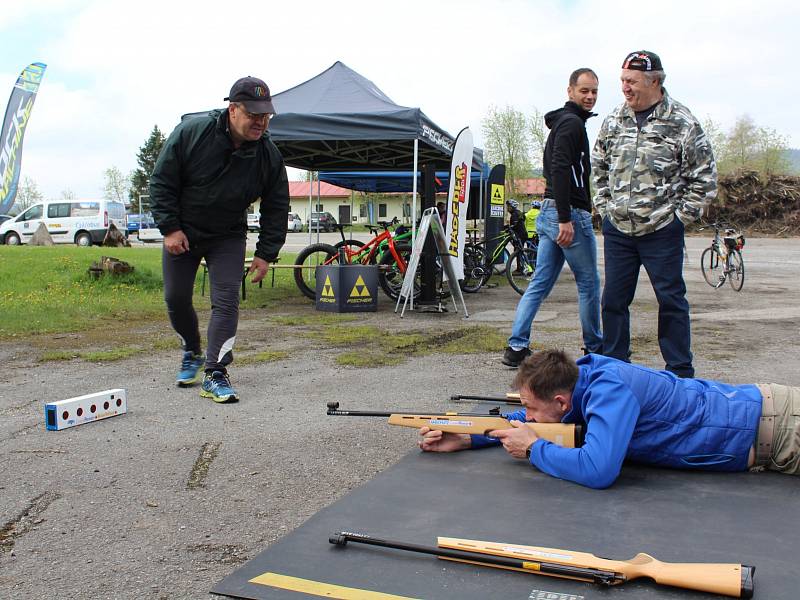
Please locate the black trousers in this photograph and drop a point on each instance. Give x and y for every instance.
(225, 261)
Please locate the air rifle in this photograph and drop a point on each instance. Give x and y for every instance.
(563, 434)
(727, 579)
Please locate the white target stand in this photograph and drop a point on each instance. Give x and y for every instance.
(85, 409)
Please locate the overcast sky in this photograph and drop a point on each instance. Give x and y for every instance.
(115, 69)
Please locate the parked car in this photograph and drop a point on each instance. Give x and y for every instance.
(322, 221)
(295, 223)
(81, 222)
(253, 223)
(136, 220)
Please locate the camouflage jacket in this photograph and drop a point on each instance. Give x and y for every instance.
(644, 177)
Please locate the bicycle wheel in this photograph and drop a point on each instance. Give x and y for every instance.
(711, 266)
(390, 274)
(520, 269)
(353, 244)
(474, 268)
(736, 270)
(310, 257)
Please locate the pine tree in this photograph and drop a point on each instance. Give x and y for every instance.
(146, 157)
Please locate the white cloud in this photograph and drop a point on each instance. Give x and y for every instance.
(116, 69)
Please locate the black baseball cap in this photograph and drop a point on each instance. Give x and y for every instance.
(642, 60)
(253, 93)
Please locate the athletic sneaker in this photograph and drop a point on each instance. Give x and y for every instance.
(217, 386)
(191, 367)
(513, 358)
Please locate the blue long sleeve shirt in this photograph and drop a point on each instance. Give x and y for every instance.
(649, 416)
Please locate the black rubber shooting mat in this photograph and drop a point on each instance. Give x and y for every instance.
(676, 516)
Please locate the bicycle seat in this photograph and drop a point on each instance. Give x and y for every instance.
(341, 226)
(384, 224)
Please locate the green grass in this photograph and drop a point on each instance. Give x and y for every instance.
(376, 348)
(92, 355)
(312, 320)
(48, 290)
(261, 357)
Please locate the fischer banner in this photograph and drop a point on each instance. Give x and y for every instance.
(18, 112)
(458, 199)
(496, 196)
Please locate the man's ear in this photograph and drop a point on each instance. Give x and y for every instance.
(564, 400)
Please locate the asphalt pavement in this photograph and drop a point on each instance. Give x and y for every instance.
(165, 501)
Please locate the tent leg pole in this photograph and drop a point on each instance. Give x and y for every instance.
(414, 204)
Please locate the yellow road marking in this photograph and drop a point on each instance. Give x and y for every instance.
(320, 588)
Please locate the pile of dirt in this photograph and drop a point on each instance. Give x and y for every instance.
(759, 203)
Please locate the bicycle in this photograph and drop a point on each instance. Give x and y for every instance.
(400, 234)
(723, 259)
(519, 265)
(391, 256)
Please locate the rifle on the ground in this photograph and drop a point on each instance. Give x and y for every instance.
(728, 579)
(509, 398)
(563, 434)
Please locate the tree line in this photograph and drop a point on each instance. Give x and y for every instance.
(117, 185)
(511, 137)
(517, 140)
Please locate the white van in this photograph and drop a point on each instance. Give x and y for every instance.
(81, 222)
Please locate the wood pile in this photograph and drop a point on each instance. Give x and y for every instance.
(758, 203)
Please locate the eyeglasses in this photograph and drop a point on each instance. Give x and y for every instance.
(254, 116)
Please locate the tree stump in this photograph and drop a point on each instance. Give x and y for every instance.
(109, 265)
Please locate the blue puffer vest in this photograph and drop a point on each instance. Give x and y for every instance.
(682, 423)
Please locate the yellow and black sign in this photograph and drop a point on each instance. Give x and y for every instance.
(360, 289)
(498, 194)
(334, 282)
(327, 294)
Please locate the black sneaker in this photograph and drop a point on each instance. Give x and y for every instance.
(512, 358)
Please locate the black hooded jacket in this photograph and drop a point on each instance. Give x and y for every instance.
(567, 161)
(202, 185)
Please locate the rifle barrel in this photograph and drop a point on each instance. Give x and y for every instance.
(503, 399)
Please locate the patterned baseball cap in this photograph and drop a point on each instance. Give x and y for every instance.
(642, 60)
(253, 93)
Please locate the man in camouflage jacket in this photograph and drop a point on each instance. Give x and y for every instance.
(651, 163)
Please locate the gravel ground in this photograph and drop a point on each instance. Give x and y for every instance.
(166, 500)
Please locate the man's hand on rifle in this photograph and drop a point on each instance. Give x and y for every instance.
(516, 440)
(433, 440)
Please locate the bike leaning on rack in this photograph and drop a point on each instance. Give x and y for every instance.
(519, 265)
(722, 260)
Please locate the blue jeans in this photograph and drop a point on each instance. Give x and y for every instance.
(661, 253)
(581, 256)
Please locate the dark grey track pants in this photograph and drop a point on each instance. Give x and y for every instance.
(225, 261)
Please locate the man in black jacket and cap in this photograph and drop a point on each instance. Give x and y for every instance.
(210, 170)
(565, 222)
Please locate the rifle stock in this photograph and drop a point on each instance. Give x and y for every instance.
(563, 434)
(717, 578)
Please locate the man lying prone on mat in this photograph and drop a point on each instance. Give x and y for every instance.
(648, 416)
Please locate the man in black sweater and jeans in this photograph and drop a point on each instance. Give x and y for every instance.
(565, 222)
